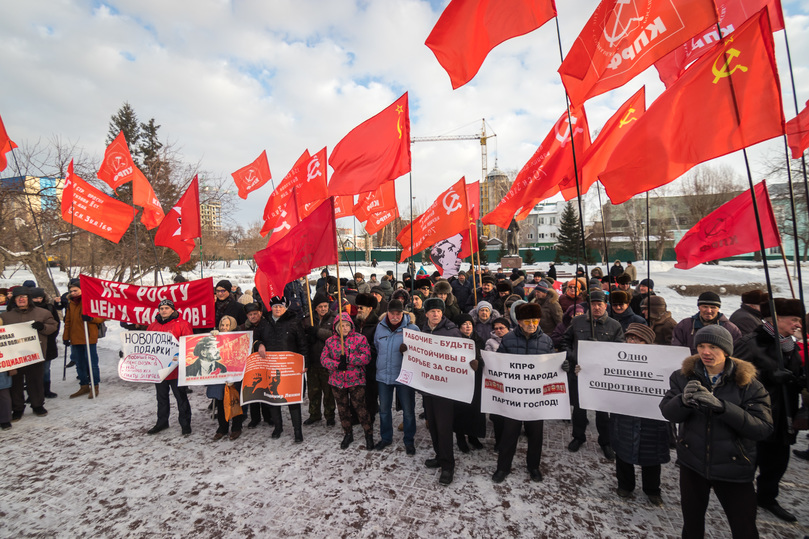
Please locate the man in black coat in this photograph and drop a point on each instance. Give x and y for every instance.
(581, 329)
(317, 377)
(258, 326)
(748, 317)
(462, 290)
(781, 380)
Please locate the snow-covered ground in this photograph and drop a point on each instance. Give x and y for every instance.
(89, 470)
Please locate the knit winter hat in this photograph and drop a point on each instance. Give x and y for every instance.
(167, 302)
(641, 331)
(716, 335)
(461, 318)
(709, 298)
(252, 307)
(542, 285)
(502, 320)
(74, 283)
(319, 298)
(424, 281)
(395, 306)
(224, 283)
(648, 283)
(484, 305)
(433, 303)
(30, 283)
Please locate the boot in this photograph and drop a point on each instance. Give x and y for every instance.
(295, 414)
(48, 393)
(90, 396)
(369, 441)
(298, 436)
(347, 440)
(83, 390)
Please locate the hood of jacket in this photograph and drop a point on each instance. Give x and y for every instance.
(743, 371)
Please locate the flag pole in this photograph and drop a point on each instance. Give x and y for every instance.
(648, 264)
(201, 260)
(156, 261)
(786, 267)
(472, 258)
(603, 229)
(309, 297)
(137, 244)
(89, 361)
(803, 157)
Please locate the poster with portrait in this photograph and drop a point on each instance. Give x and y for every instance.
(276, 379)
(445, 256)
(213, 359)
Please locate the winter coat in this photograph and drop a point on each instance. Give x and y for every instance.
(246, 298)
(318, 340)
(256, 330)
(284, 335)
(53, 351)
(5, 380)
(517, 342)
(74, 325)
(419, 316)
(229, 307)
(632, 271)
(293, 291)
(638, 440)
(683, 334)
(759, 348)
(552, 272)
(518, 286)
(627, 317)
(720, 446)
(358, 354)
(637, 300)
(746, 318)
(176, 326)
(387, 343)
(364, 287)
(606, 330)
(463, 293)
(491, 297)
(387, 288)
(493, 343)
(551, 311)
(566, 302)
(445, 327)
(451, 308)
(483, 329)
(31, 314)
(616, 270)
(367, 328)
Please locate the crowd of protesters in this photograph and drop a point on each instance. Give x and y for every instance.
(730, 408)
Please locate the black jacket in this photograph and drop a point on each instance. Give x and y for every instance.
(229, 307)
(445, 327)
(517, 342)
(627, 317)
(720, 446)
(607, 330)
(463, 293)
(285, 335)
(317, 340)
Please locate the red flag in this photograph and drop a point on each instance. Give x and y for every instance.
(738, 77)
(378, 221)
(798, 133)
(251, 177)
(143, 195)
(279, 199)
(732, 14)
(182, 224)
(376, 151)
(473, 200)
(118, 167)
(624, 37)
(468, 247)
(287, 220)
(313, 188)
(540, 177)
(384, 198)
(311, 244)
(729, 231)
(343, 206)
(595, 158)
(469, 29)
(6, 145)
(90, 209)
(448, 215)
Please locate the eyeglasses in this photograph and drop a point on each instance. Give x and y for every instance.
(501, 328)
(220, 290)
(530, 321)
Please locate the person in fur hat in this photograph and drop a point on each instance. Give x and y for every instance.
(722, 411)
(748, 317)
(780, 373)
(442, 289)
(621, 311)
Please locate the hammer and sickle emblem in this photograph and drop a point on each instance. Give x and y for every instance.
(722, 72)
(284, 225)
(628, 118)
(564, 137)
(313, 169)
(454, 202)
(399, 111)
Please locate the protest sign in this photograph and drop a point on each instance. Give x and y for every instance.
(19, 346)
(525, 387)
(276, 379)
(213, 359)
(438, 365)
(628, 379)
(138, 304)
(146, 354)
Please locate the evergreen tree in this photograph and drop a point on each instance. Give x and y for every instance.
(127, 121)
(529, 256)
(149, 144)
(484, 259)
(568, 247)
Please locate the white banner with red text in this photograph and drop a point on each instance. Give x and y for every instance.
(438, 365)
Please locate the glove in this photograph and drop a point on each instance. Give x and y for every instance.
(121, 354)
(311, 331)
(688, 392)
(706, 399)
(783, 376)
(566, 365)
(66, 343)
(343, 363)
(86, 317)
(403, 348)
(37, 325)
(474, 364)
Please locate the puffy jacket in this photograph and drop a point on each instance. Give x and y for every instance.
(284, 335)
(483, 329)
(517, 342)
(683, 334)
(445, 327)
(720, 446)
(551, 310)
(357, 351)
(639, 440)
(53, 351)
(318, 340)
(627, 317)
(759, 348)
(606, 330)
(463, 293)
(387, 343)
(176, 326)
(74, 326)
(493, 343)
(15, 315)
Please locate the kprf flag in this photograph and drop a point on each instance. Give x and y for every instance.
(447, 216)
(6, 145)
(281, 196)
(540, 177)
(182, 224)
(384, 198)
(469, 245)
(90, 209)
(624, 37)
(253, 176)
(595, 158)
(312, 243)
(343, 206)
(468, 29)
(734, 88)
(144, 196)
(732, 14)
(287, 220)
(729, 230)
(311, 183)
(374, 152)
(798, 133)
(118, 167)
(378, 221)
